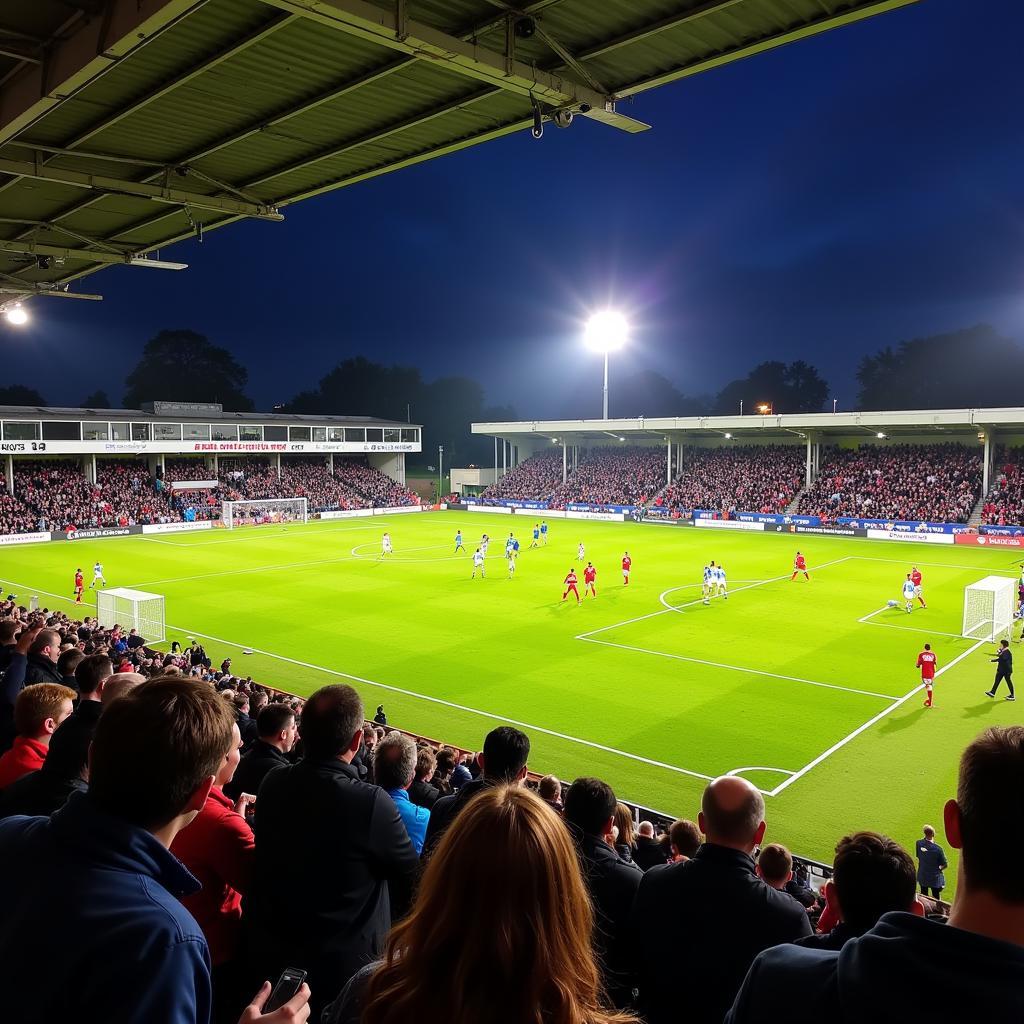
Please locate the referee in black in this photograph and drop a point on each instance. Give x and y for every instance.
(1004, 669)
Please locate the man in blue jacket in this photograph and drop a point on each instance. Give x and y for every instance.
(974, 964)
(92, 927)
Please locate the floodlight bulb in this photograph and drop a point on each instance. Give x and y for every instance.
(606, 331)
(17, 316)
(728, 437)
(880, 435)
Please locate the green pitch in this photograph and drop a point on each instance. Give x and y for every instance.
(799, 686)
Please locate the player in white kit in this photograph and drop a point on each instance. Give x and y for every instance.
(97, 576)
(581, 554)
(385, 544)
(478, 563)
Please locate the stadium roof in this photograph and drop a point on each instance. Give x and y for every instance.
(819, 426)
(127, 125)
(28, 412)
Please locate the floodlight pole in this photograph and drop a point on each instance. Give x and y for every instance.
(440, 469)
(606, 384)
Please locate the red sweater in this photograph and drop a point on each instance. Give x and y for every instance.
(218, 848)
(26, 755)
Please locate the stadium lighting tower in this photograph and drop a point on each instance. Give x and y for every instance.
(606, 332)
(440, 469)
(16, 315)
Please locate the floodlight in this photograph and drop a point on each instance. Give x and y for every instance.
(764, 409)
(728, 437)
(880, 436)
(606, 331)
(16, 315)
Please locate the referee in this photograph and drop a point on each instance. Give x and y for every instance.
(1004, 669)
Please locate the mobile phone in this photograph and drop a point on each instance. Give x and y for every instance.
(287, 985)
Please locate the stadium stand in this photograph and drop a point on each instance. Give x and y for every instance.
(613, 476)
(534, 479)
(929, 482)
(1004, 503)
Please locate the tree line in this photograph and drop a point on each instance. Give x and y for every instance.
(969, 368)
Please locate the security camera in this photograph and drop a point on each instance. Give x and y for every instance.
(562, 118)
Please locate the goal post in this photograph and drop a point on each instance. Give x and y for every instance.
(989, 607)
(263, 512)
(132, 609)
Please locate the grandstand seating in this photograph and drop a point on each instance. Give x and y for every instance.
(534, 479)
(613, 476)
(1004, 503)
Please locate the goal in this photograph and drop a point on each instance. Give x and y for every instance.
(132, 609)
(263, 512)
(988, 608)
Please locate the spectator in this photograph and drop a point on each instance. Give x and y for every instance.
(315, 819)
(931, 862)
(506, 751)
(612, 882)
(119, 685)
(380, 718)
(277, 734)
(90, 677)
(528, 958)
(152, 765)
(871, 876)
(16, 657)
(42, 659)
(67, 665)
(246, 726)
(446, 761)
(219, 850)
(650, 852)
(975, 961)
(730, 914)
(461, 773)
(550, 791)
(38, 711)
(421, 792)
(684, 840)
(625, 838)
(775, 866)
(395, 765)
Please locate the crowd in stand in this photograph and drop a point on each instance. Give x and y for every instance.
(613, 476)
(929, 482)
(764, 478)
(534, 479)
(185, 836)
(1004, 503)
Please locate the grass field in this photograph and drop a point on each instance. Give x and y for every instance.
(807, 689)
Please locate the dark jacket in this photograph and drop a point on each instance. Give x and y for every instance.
(649, 853)
(447, 809)
(612, 884)
(39, 793)
(423, 794)
(75, 733)
(11, 685)
(882, 976)
(41, 670)
(835, 939)
(316, 821)
(247, 729)
(931, 862)
(722, 916)
(253, 768)
(140, 956)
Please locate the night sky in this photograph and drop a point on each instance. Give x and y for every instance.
(820, 201)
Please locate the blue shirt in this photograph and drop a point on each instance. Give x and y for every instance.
(536, 532)
(544, 528)
(458, 538)
(414, 817)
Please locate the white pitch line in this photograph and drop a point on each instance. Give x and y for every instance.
(932, 565)
(759, 768)
(866, 619)
(867, 725)
(740, 668)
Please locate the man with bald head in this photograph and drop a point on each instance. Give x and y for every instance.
(718, 915)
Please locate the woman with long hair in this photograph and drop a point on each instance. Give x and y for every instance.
(500, 932)
(625, 840)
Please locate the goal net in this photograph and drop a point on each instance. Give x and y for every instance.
(988, 608)
(262, 512)
(132, 609)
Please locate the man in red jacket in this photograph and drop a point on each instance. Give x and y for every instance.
(38, 711)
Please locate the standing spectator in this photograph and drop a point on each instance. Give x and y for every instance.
(503, 759)
(316, 819)
(1004, 669)
(461, 773)
(42, 659)
(650, 851)
(153, 761)
(246, 726)
(38, 711)
(871, 876)
(684, 840)
(550, 791)
(15, 655)
(974, 964)
(526, 958)
(421, 792)
(67, 665)
(446, 761)
(277, 735)
(931, 862)
(90, 677)
(612, 882)
(625, 838)
(395, 767)
(775, 866)
(730, 914)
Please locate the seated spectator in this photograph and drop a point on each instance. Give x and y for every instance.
(612, 882)
(684, 840)
(625, 838)
(154, 758)
(446, 761)
(461, 773)
(219, 849)
(42, 659)
(650, 852)
(503, 759)
(550, 791)
(421, 792)
(38, 711)
(277, 734)
(246, 726)
(119, 685)
(529, 958)
(869, 879)
(316, 819)
(730, 914)
(67, 664)
(395, 766)
(974, 964)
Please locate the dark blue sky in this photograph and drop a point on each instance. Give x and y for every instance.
(816, 202)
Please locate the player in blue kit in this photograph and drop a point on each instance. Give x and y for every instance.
(458, 542)
(544, 531)
(536, 535)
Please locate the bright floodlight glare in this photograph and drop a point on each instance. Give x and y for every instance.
(728, 436)
(881, 435)
(606, 331)
(16, 315)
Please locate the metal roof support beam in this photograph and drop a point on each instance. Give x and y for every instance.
(142, 190)
(61, 253)
(26, 290)
(84, 56)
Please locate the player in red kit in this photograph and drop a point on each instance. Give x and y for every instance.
(589, 576)
(915, 578)
(626, 564)
(79, 586)
(570, 586)
(926, 663)
(799, 565)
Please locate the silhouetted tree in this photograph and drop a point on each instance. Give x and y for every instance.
(18, 394)
(797, 387)
(183, 366)
(97, 400)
